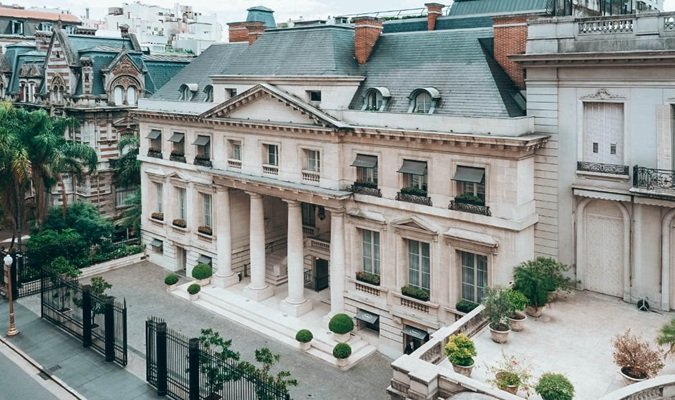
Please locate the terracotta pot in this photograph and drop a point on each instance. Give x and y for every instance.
(513, 389)
(466, 371)
(499, 336)
(304, 346)
(517, 324)
(534, 312)
(629, 379)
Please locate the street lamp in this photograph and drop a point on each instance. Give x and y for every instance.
(8, 277)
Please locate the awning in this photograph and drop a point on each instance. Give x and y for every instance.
(202, 141)
(413, 167)
(204, 260)
(469, 174)
(154, 134)
(156, 243)
(414, 332)
(177, 137)
(367, 317)
(365, 161)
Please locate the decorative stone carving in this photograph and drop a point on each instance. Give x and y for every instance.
(125, 67)
(602, 94)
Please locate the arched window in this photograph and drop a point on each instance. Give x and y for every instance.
(376, 99)
(118, 95)
(2, 90)
(208, 90)
(131, 96)
(31, 92)
(61, 94)
(187, 91)
(22, 92)
(424, 101)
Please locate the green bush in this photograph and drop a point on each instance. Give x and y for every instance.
(113, 252)
(497, 307)
(415, 293)
(367, 277)
(342, 351)
(554, 387)
(202, 271)
(341, 324)
(83, 218)
(194, 288)
(304, 336)
(465, 306)
(415, 191)
(460, 350)
(532, 281)
(171, 279)
(517, 299)
(45, 246)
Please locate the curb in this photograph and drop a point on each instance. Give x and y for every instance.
(39, 367)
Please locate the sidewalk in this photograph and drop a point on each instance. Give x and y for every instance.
(84, 370)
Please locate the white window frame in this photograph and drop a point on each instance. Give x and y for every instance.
(207, 209)
(477, 290)
(370, 251)
(604, 148)
(182, 203)
(159, 196)
(416, 276)
(312, 160)
(268, 154)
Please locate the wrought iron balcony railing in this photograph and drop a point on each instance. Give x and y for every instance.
(651, 178)
(459, 205)
(154, 153)
(204, 162)
(601, 168)
(177, 157)
(413, 198)
(367, 188)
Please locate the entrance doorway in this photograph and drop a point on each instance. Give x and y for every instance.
(413, 338)
(181, 260)
(321, 274)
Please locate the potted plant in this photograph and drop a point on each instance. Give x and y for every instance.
(341, 325)
(304, 338)
(667, 337)
(415, 292)
(465, 306)
(367, 277)
(531, 280)
(554, 387)
(510, 375)
(159, 216)
(179, 222)
(341, 352)
(193, 290)
(497, 309)
(518, 304)
(554, 273)
(467, 198)
(202, 273)
(461, 350)
(171, 281)
(636, 358)
(205, 230)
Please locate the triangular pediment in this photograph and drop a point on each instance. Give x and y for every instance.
(122, 64)
(268, 103)
(417, 224)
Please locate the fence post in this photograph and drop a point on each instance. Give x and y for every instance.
(86, 315)
(109, 318)
(162, 375)
(193, 367)
(14, 276)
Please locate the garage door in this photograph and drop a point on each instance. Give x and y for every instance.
(604, 248)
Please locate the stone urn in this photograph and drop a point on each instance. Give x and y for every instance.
(517, 321)
(500, 335)
(628, 379)
(194, 297)
(341, 338)
(170, 288)
(513, 389)
(534, 312)
(203, 282)
(464, 370)
(304, 346)
(342, 363)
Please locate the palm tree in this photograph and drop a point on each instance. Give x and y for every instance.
(130, 219)
(127, 171)
(15, 174)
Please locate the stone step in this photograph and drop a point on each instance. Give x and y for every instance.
(276, 268)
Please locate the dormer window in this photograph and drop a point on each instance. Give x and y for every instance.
(17, 27)
(376, 99)
(424, 101)
(118, 95)
(314, 96)
(187, 91)
(208, 91)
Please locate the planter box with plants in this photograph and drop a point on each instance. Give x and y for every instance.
(341, 325)
(497, 310)
(204, 162)
(469, 203)
(193, 291)
(465, 306)
(636, 358)
(415, 292)
(202, 273)
(304, 338)
(367, 277)
(341, 352)
(177, 157)
(461, 350)
(179, 223)
(205, 230)
(367, 188)
(159, 216)
(171, 281)
(414, 195)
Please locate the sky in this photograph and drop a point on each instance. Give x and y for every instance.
(235, 10)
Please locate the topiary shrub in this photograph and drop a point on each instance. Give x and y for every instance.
(342, 351)
(202, 271)
(194, 288)
(171, 279)
(304, 336)
(554, 387)
(341, 324)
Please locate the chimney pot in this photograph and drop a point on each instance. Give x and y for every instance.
(434, 10)
(367, 31)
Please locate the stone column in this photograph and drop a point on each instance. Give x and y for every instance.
(295, 304)
(337, 261)
(258, 289)
(224, 276)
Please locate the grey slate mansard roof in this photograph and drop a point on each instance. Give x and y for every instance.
(311, 50)
(452, 61)
(210, 62)
(493, 7)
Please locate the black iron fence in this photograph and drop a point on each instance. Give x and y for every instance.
(100, 323)
(178, 367)
(26, 279)
(601, 168)
(651, 178)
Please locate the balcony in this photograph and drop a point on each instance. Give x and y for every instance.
(232, 163)
(655, 182)
(154, 153)
(203, 161)
(367, 188)
(469, 205)
(180, 157)
(414, 195)
(600, 168)
(270, 169)
(310, 176)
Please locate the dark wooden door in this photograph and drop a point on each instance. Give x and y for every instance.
(321, 274)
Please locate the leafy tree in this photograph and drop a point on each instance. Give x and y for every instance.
(216, 368)
(280, 382)
(667, 337)
(127, 168)
(130, 218)
(45, 246)
(84, 218)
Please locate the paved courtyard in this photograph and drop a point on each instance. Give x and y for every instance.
(574, 337)
(142, 285)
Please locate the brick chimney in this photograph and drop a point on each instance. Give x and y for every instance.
(510, 38)
(238, 32)
(255, 30)
(434, 10)
(366, 32)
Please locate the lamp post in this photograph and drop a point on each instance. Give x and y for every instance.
(8, 276)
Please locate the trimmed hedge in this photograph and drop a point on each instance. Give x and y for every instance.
(555, 387)
(465, 306)
(304, 336)
(194, 288)
(342, 351)
(202, 271)
(415, 293)
(341, 324)
(171, 279)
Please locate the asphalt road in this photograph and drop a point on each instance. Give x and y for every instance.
(20, 382)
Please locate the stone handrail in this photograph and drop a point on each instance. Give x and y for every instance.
(659, 388)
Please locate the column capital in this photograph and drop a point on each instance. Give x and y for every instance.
(221, 189)
(292, 203)
(338, 212)
(254, 195)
